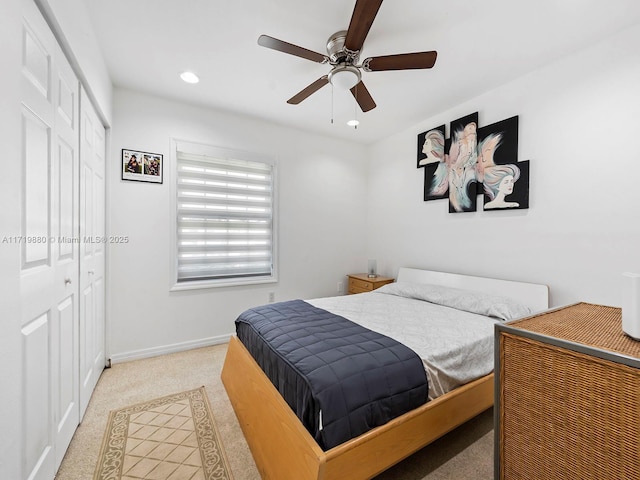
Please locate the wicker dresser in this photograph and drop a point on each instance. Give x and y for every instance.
(567, 397)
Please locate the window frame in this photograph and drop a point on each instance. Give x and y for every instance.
(220, 152)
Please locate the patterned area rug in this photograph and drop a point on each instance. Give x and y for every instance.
(169, 438)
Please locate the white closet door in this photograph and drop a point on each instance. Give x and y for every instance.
(49, 249)
(92, 250)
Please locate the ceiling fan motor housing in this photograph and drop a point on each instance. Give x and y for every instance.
(337, 52)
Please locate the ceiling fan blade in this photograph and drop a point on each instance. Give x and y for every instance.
(291, 49)
(402, 61)
(305, 92)
(362, 18)
(363, 97)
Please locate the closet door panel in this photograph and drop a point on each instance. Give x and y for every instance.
(36, 165)
(38, 458)
(37, 269)
(67, 237)
(65, 258)
(92, 249)
(49, 278)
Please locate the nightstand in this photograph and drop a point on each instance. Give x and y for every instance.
(567, 401)
(361, 283)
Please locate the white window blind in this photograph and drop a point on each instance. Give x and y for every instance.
(225, 218)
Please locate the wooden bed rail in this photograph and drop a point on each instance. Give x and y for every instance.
(284, 450)
(281, 446)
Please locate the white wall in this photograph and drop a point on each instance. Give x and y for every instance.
(321, 193)
(579, 124)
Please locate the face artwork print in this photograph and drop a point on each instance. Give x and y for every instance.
(474, 160)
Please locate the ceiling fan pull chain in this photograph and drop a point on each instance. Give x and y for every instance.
(355, 109)
(332, 104)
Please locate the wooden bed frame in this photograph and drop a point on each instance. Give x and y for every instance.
(284, 450)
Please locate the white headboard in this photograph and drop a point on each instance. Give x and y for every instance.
(533, 295)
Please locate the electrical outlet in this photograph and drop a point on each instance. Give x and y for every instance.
(272, 297)
(340, 287)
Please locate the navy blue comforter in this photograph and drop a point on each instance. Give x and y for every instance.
(339, 378)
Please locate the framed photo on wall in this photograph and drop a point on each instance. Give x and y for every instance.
(141, 166)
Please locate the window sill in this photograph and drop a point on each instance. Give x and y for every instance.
(203, 284)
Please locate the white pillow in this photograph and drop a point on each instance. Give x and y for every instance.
(469, 301)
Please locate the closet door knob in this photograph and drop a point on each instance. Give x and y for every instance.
(67, 281)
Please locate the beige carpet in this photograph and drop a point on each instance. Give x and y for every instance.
(464, 454)
(168, 438)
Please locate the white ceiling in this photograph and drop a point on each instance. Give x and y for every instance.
(480, 45)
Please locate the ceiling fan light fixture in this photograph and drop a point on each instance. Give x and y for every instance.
(353, 123)
(189, 77)
(344, 77)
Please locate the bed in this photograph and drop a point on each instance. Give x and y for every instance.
(284, 449)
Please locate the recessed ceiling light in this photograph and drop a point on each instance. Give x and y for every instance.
(189, 77)
(353, 123)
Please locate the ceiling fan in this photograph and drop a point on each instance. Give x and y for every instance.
(343, 54)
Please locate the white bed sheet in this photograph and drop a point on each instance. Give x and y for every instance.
(456, 347)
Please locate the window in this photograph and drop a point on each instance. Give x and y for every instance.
(225, 217)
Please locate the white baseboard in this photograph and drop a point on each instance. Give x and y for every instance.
(163, 350)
